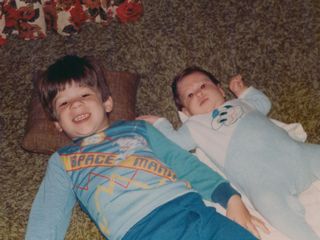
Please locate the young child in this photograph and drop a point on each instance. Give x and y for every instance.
(257, 156)
(121, 173)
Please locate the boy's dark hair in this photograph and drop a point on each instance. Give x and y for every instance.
(187, 71)
(83, 70)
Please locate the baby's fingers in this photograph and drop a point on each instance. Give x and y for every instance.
(142, 117)
(148, 118)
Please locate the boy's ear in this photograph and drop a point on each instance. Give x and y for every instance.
(57, 125)
(186, 112)
(108, 104)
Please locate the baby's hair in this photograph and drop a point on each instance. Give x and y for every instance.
(84, 71)
(186, 72)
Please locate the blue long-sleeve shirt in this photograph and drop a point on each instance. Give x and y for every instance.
(118, 176)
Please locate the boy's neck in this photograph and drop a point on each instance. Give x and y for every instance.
(93, 138)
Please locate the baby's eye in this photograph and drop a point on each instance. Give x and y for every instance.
(203, 86)
(85, 95)
(190, 95)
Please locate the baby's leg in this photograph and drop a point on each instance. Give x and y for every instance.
(284, 212)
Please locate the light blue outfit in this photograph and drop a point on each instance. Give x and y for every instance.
(122, 178)
(257, 156)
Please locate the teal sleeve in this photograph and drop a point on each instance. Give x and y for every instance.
(223, 193)
(52, 208)
(210, 184)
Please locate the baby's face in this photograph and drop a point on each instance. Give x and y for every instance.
(199, 95)
(80, 110)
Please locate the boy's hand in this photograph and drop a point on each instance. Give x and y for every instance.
(148, 118)
(238, 212)
(237, 85)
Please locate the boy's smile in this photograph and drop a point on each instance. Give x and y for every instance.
(80, 110)
(81, 117)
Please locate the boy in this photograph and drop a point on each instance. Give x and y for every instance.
(256, 155)
(120, 173)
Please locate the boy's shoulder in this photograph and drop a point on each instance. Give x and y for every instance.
(126, 124)
(123, 123)
(129, 127)
(135, 124)
(119, 128)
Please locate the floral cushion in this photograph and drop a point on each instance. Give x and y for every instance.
(2, 35)
(24, 19)
(29, 19)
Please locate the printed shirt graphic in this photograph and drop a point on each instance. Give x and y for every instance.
(226, 115)
(213, 131)
(118, 180)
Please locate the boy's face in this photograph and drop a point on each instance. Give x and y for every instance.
(80, 110)
(198, 94)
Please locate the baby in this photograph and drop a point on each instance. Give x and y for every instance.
(256, 155)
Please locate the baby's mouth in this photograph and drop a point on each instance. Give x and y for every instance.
(203, 101)
(81, 117)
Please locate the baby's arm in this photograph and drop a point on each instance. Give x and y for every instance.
(180, 136)
(52, 208)
(250, 95)
(237, 85)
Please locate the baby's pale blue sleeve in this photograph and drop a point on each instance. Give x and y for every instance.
(180, 136)
(256, 99)
(52, 208)
(210, 184)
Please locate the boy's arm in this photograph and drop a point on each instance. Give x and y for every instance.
(52, 208)
(207, 182)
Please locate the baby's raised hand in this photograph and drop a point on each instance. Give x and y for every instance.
(148, 118)
(237, 85)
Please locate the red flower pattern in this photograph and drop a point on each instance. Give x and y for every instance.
(129, 11)
(26, 21)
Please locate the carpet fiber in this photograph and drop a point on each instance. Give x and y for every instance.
(273, 44)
